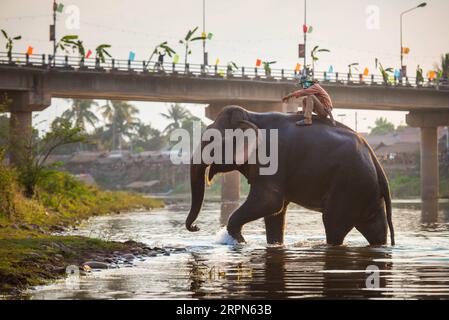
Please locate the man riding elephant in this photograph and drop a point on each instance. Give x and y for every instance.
(317, 100)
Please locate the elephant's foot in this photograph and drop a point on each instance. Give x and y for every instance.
(226, 238)
(236, 235)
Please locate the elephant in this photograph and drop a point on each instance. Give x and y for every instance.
(327, 169)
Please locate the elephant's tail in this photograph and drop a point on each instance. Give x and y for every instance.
(385, 191)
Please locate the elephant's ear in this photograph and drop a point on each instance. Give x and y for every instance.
(250, 149)
(251, 145)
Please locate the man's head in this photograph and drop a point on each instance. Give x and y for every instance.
(306, 82)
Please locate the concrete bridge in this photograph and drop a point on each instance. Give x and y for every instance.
(31, 82)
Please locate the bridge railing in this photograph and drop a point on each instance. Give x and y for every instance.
(197, 70)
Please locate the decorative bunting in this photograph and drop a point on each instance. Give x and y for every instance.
(310, 29)
(405, 50)
(132, 56)
(217, 62)
(29, 50)
(59, 8)
(331, 69)
(298, 67)
(203, 35)
(176, 59)
(366, 72)
(210, 35)
(258, 62)
(304, 28)
(89, 53)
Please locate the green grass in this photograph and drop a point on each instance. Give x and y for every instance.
(35, 259)
(29, 253)
(410, 186)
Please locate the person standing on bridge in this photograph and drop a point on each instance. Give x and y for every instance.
(316, 100)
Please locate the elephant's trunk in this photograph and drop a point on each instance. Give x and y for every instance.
(197, 182)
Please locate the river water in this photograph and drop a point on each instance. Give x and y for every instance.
(416, 268)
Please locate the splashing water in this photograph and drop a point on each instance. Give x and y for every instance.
(224, 238)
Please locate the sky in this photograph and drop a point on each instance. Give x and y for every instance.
(244, 30)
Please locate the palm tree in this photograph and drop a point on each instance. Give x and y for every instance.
(314, 55)
(10, 43)
(101, 52)
(384, 71)
(122, 120)
(382, 126)
(162, 48)
(81, 113)
(67, 42)
(443, 68)
(267, 68)
(176, 113)
(350, 67)
(187, 40)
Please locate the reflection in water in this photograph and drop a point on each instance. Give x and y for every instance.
(418, 267)
(280, 273)
(429, 211)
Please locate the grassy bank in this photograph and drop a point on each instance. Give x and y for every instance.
(410, 187)
(30, 253)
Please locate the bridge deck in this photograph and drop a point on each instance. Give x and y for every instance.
(69, 77)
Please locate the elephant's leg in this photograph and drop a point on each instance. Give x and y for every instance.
(262, 201)
(339, 217)
(336, 226)
(374, 226)
(275, 226)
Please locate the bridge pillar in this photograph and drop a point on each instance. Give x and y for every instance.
(20, 131)
(429, 123)
(20, 122)
(230, 182)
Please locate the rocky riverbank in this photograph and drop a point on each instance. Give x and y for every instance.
(39, 260)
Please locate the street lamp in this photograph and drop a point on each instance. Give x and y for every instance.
(305, 37)
(204, 30)
(422, 5)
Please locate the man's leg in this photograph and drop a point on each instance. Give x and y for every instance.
(321, 110)
(332, 118)
(303, 103)
(307, 109)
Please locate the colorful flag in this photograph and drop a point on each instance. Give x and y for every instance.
(30, 50)
(132, 56)
(405, 50)
(258, 62)
(60, 7)
(217, 62)
(298, 67)
(331, 69)
(310, 29)
(89, 53)
(366, 72)
(304, 28)
(203, 35)
(209, 36)
(176, 59)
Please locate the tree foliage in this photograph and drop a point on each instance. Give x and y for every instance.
(33, 154)
(382, 126)
(9, 43)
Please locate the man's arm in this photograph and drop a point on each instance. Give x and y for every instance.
(300, 93)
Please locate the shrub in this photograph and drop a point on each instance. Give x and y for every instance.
(8, 188)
